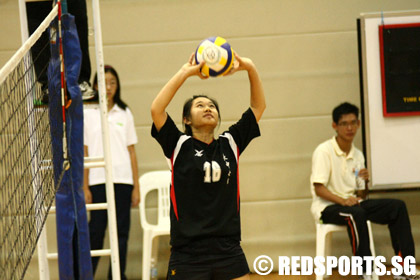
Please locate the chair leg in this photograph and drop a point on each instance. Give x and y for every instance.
(323, 246)
(320, 245)
(147, 254)
(328, 244)
(372, 249)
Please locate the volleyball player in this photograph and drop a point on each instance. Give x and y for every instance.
(205, 216)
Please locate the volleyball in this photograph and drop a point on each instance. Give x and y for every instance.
(217, 54)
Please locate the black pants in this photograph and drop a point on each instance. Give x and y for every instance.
(37, 11)
(391, 212)
(99, 219)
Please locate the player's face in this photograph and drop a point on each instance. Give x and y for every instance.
(347, 127)
(203, 113)
(111, 86)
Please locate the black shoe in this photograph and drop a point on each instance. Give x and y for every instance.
(416, 276)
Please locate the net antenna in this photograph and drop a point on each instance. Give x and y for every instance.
(65, 101)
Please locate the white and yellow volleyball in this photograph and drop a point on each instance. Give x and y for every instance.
(217, 54)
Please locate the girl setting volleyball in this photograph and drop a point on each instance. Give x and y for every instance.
(205, 198)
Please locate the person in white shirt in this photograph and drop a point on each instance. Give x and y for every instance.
(339, 188)
(124, 167)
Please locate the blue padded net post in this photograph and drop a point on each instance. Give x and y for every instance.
(74, 258)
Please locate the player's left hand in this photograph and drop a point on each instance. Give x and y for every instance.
(241, 63)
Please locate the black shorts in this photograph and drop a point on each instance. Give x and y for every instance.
(207, 267)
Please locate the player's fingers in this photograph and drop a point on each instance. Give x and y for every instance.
(238, 59)
(231, 72)
(202, 76)
(235, 67)
(191, 60)
(198, 69)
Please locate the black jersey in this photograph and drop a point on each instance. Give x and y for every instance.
(205, 181)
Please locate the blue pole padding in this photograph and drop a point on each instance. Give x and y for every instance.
(74, 259)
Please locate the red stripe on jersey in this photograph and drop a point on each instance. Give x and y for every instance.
(173, 198)
(237, 180)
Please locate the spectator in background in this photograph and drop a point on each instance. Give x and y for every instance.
(124, 167)
(339, 189)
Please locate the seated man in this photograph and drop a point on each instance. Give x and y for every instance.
(339, 188)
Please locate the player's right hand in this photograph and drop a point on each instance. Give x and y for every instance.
(191, 68)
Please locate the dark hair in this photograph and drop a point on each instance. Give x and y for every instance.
(186, 112)
(344, 109)
(117, 96)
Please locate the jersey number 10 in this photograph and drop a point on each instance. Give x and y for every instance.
(212, 173)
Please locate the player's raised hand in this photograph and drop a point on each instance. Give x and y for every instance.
(241, 63)
(191, 68)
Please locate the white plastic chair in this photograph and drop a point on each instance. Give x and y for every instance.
(323, 242)
(160, 181)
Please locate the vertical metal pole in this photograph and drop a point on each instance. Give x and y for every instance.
(109, 185)
(24, 33)
(44, 272)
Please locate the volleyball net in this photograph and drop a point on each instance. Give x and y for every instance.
(27, 187)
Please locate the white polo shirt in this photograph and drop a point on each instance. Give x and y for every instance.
(122, 134)
(336, 171)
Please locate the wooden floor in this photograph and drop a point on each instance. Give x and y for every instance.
(334, 276)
